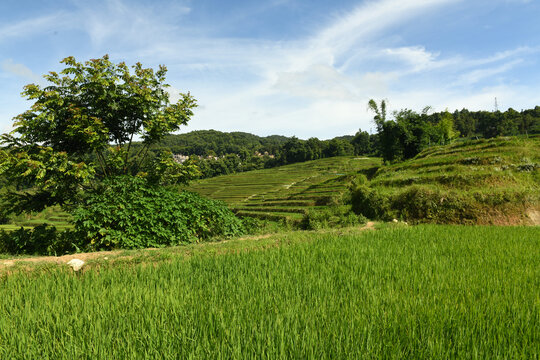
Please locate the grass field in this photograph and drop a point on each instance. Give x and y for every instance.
(432, 292)
(496, 181)
(283, 193)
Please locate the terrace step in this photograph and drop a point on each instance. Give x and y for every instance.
(271, 216)
(281, 202)
(272, 209)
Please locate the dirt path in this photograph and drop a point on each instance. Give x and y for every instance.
(370, 225)
(60, 259)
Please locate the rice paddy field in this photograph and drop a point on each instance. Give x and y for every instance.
(427, 292)
(53, 216)
(499, 177)
(286, 192)
(496, 181)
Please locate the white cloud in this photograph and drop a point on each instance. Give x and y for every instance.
(416, 56)
(477, 75)
(328, 99)
(132, 24)
(20, 70)
(370, 18)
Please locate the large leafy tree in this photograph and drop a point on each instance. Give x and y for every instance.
(80, 130)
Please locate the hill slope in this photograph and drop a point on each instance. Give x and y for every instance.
(482, 181)
(286, 192)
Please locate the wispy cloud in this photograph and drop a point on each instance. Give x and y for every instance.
(33, 26)
(134, 24)
(20, 70)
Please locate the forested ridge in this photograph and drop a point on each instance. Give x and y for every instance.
(400, 137)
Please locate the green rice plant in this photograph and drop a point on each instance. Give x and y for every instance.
(423, 292)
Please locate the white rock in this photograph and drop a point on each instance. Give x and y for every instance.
(395, 220)
(76, 264)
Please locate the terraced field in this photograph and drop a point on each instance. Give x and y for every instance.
(287, 192)
(53, 216)
(498, 180)
(493, 163)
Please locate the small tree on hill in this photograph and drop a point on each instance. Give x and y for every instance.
(80, 129)
(380, 113)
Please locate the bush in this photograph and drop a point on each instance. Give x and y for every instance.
(126, 212)
(359, 180)
(327, 200)
(337, 216)
(41, 240)
(254, 225)
(370, 203)
(433, 205)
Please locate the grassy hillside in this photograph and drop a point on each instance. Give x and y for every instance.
(286, 192)
(483, 181)
(426, 292)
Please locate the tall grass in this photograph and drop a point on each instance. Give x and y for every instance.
(422, 292)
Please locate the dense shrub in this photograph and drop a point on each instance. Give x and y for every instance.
(328, 200)
(128, 213)
(254, 225)
(424, 204)
(370, 203)
(40, 240)
(336, 216)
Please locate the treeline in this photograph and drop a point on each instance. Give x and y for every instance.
(220, 153)
(409, 132)
(491, 124)
(401, 136)
(292, 151)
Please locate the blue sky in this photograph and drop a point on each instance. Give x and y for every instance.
(289, 67)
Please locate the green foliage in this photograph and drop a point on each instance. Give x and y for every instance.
(371, 203)
(330, 217)
(40, 240)
(445, 130)
(126, 212)
(253, 226)
(362, 143)
(380, 113)
(163, 170)
(484, 181)
(409, 132)
(420, 203)
(80, 129)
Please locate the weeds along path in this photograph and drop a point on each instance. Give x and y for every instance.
(243, 244)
